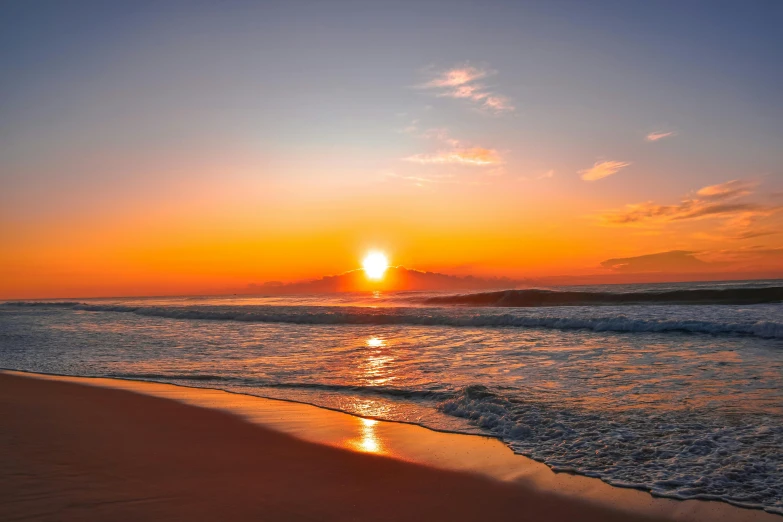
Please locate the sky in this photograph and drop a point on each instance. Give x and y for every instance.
(153, 148)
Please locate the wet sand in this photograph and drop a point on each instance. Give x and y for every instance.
(86, 449)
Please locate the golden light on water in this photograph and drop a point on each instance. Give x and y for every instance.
(374, 342)
(373, 370)
(375, 265)
(369, 441)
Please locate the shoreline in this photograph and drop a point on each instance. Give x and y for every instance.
(460, 457)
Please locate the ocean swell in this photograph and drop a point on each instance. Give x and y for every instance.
(542, 318)
(535, 297)
(44, 304)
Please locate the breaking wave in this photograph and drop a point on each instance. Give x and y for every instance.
(677, 454)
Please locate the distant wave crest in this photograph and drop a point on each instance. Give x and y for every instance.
(595, 321)
(536, 297)
(24, 304)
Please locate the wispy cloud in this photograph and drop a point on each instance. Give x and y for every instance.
(433, 180)
(752, 253)
(463, 83)
(740, 217)
(602, 169)
(458, 76)
(687, 209)
(498, 103)
(655, 136)
(749, 258)
(454, 152)
(476, 156)
(671, 261)
(713, 200)
(735, 188)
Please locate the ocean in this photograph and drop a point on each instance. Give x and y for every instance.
(676, 389)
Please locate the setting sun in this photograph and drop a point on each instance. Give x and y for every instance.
(375, 264)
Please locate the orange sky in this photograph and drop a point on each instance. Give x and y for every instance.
(202, 150)
(207, 243)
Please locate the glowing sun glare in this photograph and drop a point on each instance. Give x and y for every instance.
(375, 264)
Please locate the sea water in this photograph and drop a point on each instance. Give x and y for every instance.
(679, 392)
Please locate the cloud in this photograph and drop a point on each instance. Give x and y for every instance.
(752, 258)
(462, 83)
(753, 253)
(457, 76)
(655, 136)
(395, 278)
(602, 169)
(498, 104)
(731, 189)
(687, 209)
(743, 260)
(471, 92)
(710, 201)
(750, 234)
(740, 218)
(476, 156)
(672, 261)
(454, 152)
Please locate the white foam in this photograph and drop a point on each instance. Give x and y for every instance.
(680, 454)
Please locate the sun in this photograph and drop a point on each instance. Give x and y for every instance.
(375, 264)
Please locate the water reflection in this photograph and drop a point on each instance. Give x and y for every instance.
(375, 342)
(368, 441)
(376, 367)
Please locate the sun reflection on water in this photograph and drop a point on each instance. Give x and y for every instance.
(376, 368)
(368, 440)
(375, 342)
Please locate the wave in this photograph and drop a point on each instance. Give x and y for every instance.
(174, 376)
(677, 454)
(536, 297)
(356, 316)
(54, 304)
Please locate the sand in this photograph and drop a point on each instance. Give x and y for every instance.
(70, 451)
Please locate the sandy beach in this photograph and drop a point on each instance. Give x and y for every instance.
(78, 452)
